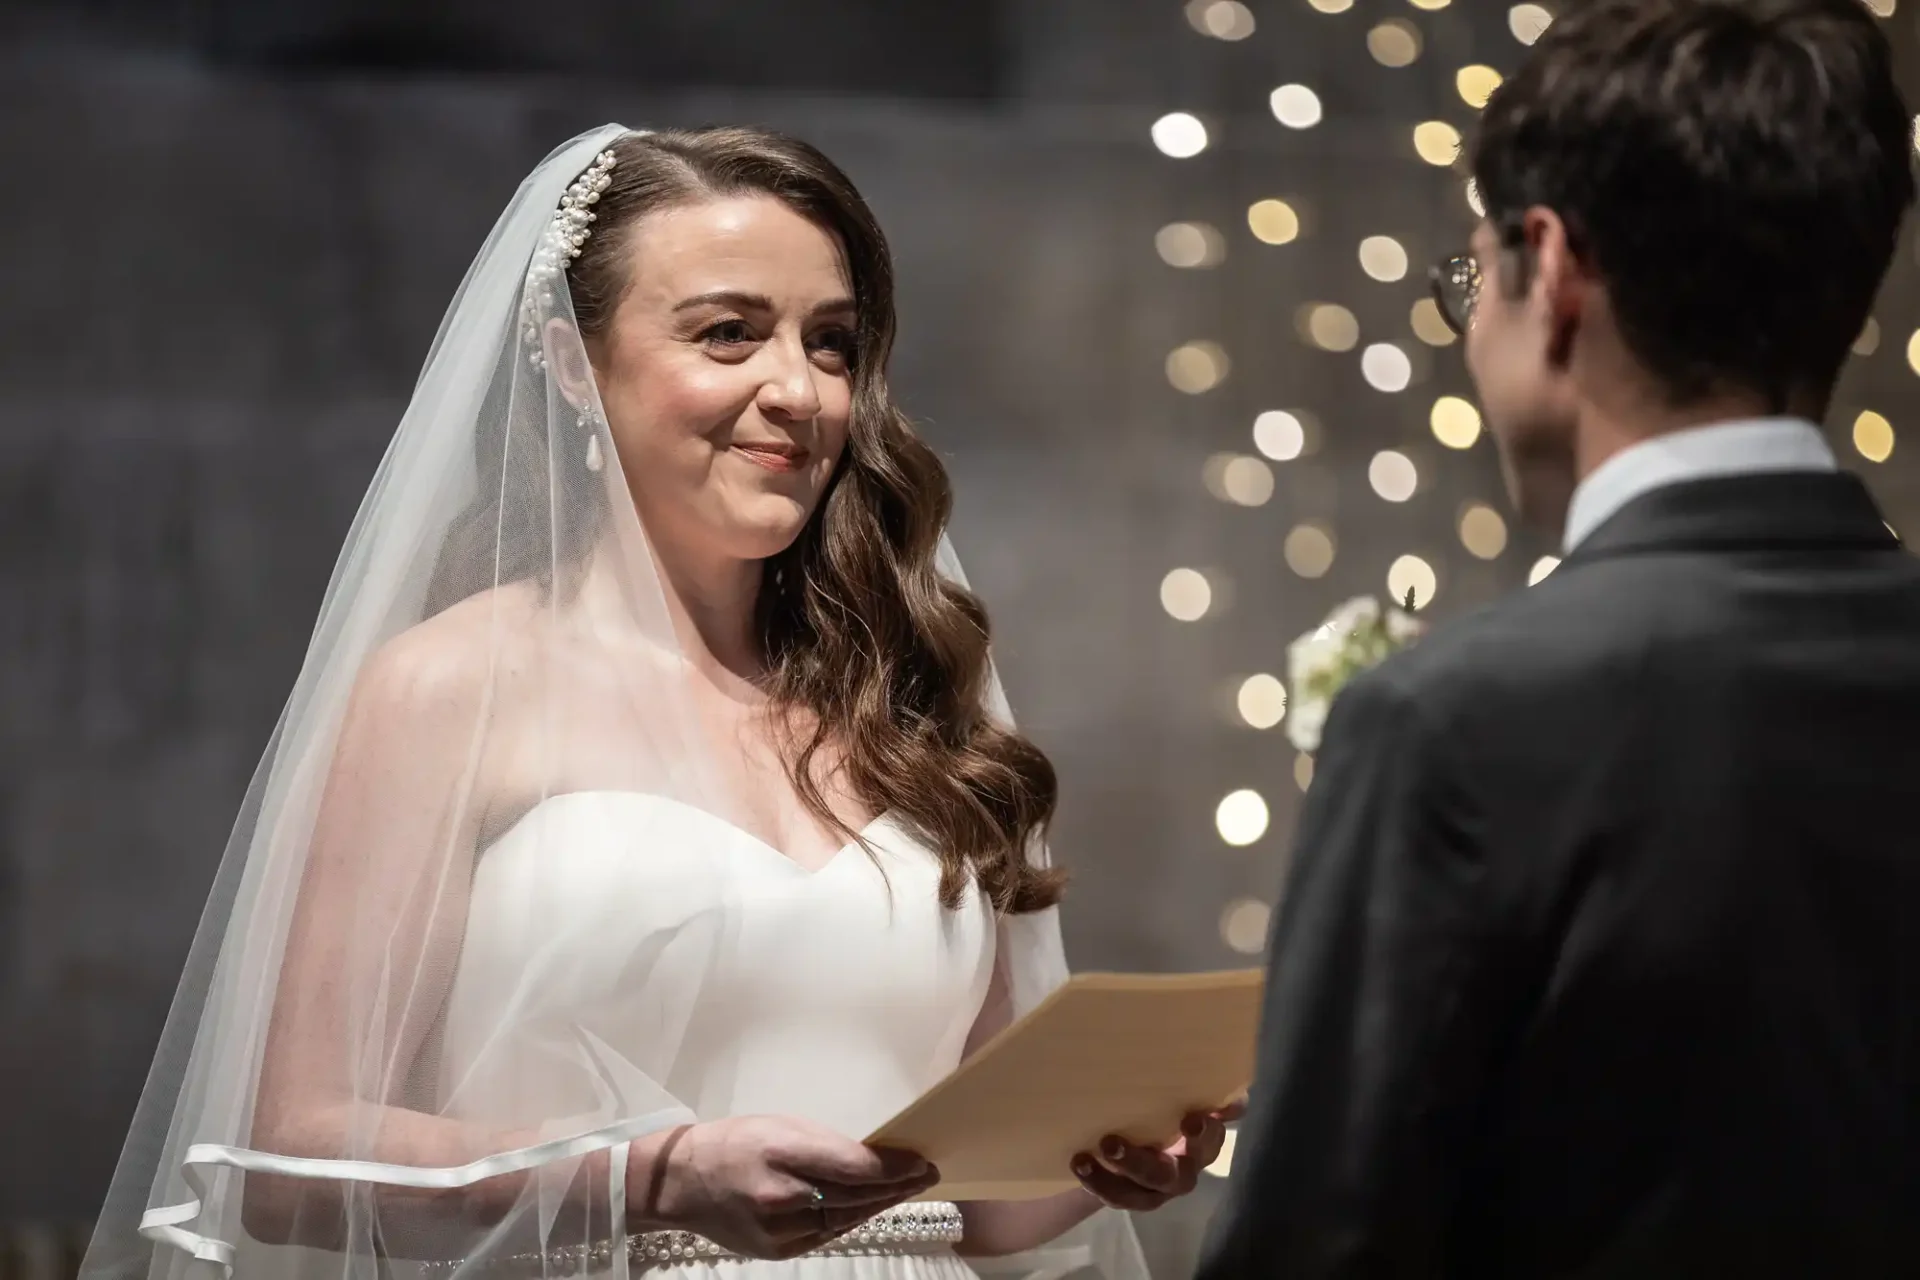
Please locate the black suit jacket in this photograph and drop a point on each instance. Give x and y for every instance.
(1600, 954)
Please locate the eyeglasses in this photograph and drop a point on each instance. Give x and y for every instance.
(1456, 290)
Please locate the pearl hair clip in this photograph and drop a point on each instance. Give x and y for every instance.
(559, 246)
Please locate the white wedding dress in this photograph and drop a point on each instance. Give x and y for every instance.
(837, 995)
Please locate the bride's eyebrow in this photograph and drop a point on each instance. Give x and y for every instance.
(741, 301)
(726, 298)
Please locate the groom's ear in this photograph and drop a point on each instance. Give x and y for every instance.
(1561, 280)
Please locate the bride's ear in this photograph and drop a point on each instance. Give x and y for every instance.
(566, 354)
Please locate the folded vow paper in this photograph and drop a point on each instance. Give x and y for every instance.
(1129, 1054)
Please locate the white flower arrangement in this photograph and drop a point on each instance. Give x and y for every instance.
(1357, 635)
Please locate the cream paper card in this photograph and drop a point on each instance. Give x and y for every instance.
(1130, 1054)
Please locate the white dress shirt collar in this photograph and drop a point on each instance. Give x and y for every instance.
(1723, 449)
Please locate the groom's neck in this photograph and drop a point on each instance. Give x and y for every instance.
(1603, 430)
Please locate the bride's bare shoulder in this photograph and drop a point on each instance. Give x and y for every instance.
(442, 666)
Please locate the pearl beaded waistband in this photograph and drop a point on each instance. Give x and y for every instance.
(933, 1227)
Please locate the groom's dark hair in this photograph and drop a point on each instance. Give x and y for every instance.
(1736, 171)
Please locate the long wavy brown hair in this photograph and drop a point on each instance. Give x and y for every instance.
(879, 660)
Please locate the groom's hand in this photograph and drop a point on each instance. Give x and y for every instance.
(1126, 1176)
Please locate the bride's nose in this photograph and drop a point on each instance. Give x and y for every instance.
(789, 391)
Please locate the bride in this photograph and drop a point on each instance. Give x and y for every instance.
(646, 824)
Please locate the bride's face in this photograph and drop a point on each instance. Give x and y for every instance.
(726, 374)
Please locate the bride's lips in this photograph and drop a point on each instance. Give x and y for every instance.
(774, 457)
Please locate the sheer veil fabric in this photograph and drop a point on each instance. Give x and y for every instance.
(495, 602)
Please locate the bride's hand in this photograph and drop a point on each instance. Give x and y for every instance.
(1125, 1176)
(776, 1187)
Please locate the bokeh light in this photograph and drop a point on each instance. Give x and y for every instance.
(1383, 258)
(1393, 475)
(1309, 550)
(1394, 43)
(1411, 574)
(1386, 367)
(1542, 569)
(1329, 326)
(1482, 531)
(1261, 701)
(1180, 135)
(1221, 19)
(1528, 22)
(1273, 221)
(1476, 84)
(1190, 244)
(1873, 436)
(1279, 435)
(1243, 926)
(1197, 367)
(1295, 106)
(1241, 818)
(1455, 422)
(1429, 326)
(1436, 142)
(1186, 595)
(1247, 482)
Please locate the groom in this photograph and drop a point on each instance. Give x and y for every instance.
(1600, 955)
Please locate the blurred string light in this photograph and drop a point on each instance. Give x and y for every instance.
(1455, 422)
(1430, 4)
(1243, 926)
(1186, 595)
(1190, 244)
(1410, 575)
(1429, 326)
(1309, 550)
(1383, 258)
(1542, 569)
(1295, 106)
(1476, 84)
(1221, 19)
(1280, 435)
(1869, 340)
(1273, 221)
(1261, 701)
(1239, 479)
(1881, 8)
(1197, 367)
(1394, 43)
(1528, 22)
(1913, 352)
(1329, 326)
(1331, 6)
(1393, 475)
(1436, 142)
(1873, 436)
(1180, 135)
(1482, 532)
(1386, 367)
(1241, 817)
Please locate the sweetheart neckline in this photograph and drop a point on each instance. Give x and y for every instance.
(866, 832)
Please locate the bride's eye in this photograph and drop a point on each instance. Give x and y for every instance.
(837, 344)
(728, 334)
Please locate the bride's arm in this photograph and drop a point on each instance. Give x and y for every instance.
(372, 944)
(994, 1228)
